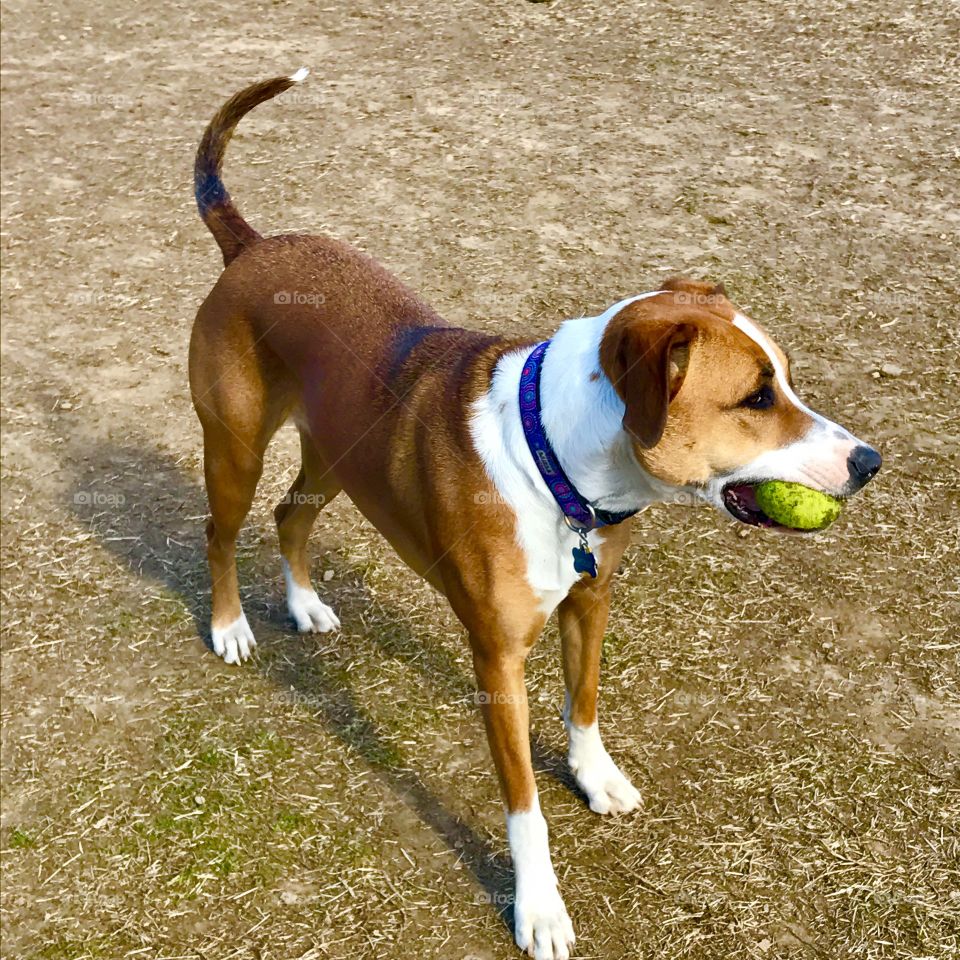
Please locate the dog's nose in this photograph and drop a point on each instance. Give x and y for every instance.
(863, 464)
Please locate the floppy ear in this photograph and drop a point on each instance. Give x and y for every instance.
(646, 361)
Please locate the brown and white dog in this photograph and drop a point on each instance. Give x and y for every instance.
(663, 396)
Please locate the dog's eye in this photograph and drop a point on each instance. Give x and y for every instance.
(761, 400)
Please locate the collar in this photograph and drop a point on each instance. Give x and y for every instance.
(580, 515)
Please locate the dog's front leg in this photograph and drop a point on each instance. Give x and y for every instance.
(583, 618)
(541, 924)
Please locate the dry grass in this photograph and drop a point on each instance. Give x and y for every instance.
(789, 709)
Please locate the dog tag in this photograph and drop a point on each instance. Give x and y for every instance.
(584, 560)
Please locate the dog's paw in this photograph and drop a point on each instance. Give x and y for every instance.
(307, 610)
(541, 925)
(607, 789)
(311, 614)
(234, 642)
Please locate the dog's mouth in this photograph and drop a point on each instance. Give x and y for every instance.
(741, 502)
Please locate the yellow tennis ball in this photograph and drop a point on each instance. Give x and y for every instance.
(796, 506)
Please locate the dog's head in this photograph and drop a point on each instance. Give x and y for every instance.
(710, 406)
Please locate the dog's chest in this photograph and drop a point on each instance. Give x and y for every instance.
(548, 547)
(545, 540)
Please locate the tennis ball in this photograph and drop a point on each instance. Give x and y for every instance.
(796, 506)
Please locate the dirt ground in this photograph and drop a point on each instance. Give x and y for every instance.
(789, 708)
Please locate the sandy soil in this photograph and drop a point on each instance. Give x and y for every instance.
(789, 709)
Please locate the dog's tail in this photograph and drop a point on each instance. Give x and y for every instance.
(223, 219)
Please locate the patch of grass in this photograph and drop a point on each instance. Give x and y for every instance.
(349, 848)
(273, 745)
(97, 947)
(213, 758)
(21, 840)
(291, 821)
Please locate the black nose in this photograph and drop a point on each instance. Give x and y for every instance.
(863, 464)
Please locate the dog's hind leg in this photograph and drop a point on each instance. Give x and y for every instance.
(236, 393)
(313, 489)
(232, 466)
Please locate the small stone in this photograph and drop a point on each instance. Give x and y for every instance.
(288, 897)
(327, 576)
(891, 370)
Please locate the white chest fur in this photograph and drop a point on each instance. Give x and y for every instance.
(582, 415)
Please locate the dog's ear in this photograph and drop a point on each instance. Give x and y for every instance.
(703, 293)
(646, 361)
(700, 294)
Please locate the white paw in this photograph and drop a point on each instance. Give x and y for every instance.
(607, 789)
(307, 610)
(311, 614)
(541, 924)
(234, 642)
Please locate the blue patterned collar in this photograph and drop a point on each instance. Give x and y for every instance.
(580, 515)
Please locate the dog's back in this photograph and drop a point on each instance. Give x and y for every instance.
(309, 328)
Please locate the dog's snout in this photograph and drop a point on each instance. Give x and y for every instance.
(863, 464)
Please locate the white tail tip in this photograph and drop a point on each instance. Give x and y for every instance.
(300, 75)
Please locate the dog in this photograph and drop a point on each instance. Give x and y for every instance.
(503, 471)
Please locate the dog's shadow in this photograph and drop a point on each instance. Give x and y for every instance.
(151, 514)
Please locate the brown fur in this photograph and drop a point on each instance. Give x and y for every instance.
(682, 347)
(381, 389)
(582, 617)
(217, 210)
